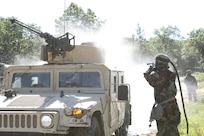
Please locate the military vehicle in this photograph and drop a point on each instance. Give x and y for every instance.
(74, 94)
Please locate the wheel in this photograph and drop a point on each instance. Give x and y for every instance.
(123, 130)
(94, 130)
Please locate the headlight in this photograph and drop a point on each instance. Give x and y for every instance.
(68, 111)
(47, 121)
(77, 112)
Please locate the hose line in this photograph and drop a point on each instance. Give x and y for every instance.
(187, 126)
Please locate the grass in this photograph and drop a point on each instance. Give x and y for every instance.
(195, 115)
(200, 78)
(194, 111)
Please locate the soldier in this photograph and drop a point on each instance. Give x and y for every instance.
(163, 81)
(191, 84)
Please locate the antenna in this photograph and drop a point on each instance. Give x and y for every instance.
(64, 17)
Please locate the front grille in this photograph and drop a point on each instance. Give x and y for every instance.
(17, 120)
(22, 121)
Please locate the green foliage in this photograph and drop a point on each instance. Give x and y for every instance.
(195, 113)
(15, 41)
(197, 40)
(8, 41)
(75, 18)
(200, 78)
(139, 34)
(185, 53)
(167, 40)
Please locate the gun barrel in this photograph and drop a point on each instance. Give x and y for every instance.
(58, 46)
(25, 26)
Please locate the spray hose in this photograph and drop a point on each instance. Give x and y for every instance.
(187, 126)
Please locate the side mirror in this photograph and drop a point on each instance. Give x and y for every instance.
(123, 92)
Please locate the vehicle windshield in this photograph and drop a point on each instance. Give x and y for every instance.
(79, 79)
(31, 79)
(66, 79)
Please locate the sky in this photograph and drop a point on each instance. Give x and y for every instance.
(122, 15)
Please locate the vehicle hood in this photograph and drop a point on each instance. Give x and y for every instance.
(51, 101)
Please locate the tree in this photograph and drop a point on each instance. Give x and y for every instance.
(185, 53)
(140, 34)
(74, 18)
(167, 35)
(197, 40)
(136, 43)
(15, 41)
(169, 44)
(195, 50)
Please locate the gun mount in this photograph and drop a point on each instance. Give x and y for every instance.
(55, 46)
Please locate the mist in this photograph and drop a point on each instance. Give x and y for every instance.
(28, 60)
(120, 56)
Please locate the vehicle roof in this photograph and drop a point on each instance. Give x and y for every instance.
(57, 66)
(63, 66)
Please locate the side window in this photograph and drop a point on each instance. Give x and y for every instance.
(122, 79)
(115, 84)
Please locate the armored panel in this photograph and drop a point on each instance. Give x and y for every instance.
(80, 54)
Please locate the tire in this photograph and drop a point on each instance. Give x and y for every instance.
(123, 130)
(94, 130)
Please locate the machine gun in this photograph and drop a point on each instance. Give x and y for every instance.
(56, 46)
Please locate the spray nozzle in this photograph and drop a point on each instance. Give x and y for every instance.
(151, 64)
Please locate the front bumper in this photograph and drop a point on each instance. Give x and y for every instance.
(19, 122)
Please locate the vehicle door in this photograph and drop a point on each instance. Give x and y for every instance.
(114, 112)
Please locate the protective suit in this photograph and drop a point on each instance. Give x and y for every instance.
(163, 82)
(192, 86)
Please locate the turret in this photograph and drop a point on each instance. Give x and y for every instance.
(63, 50)
(55, 46)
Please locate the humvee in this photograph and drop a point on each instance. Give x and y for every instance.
(74, 94)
